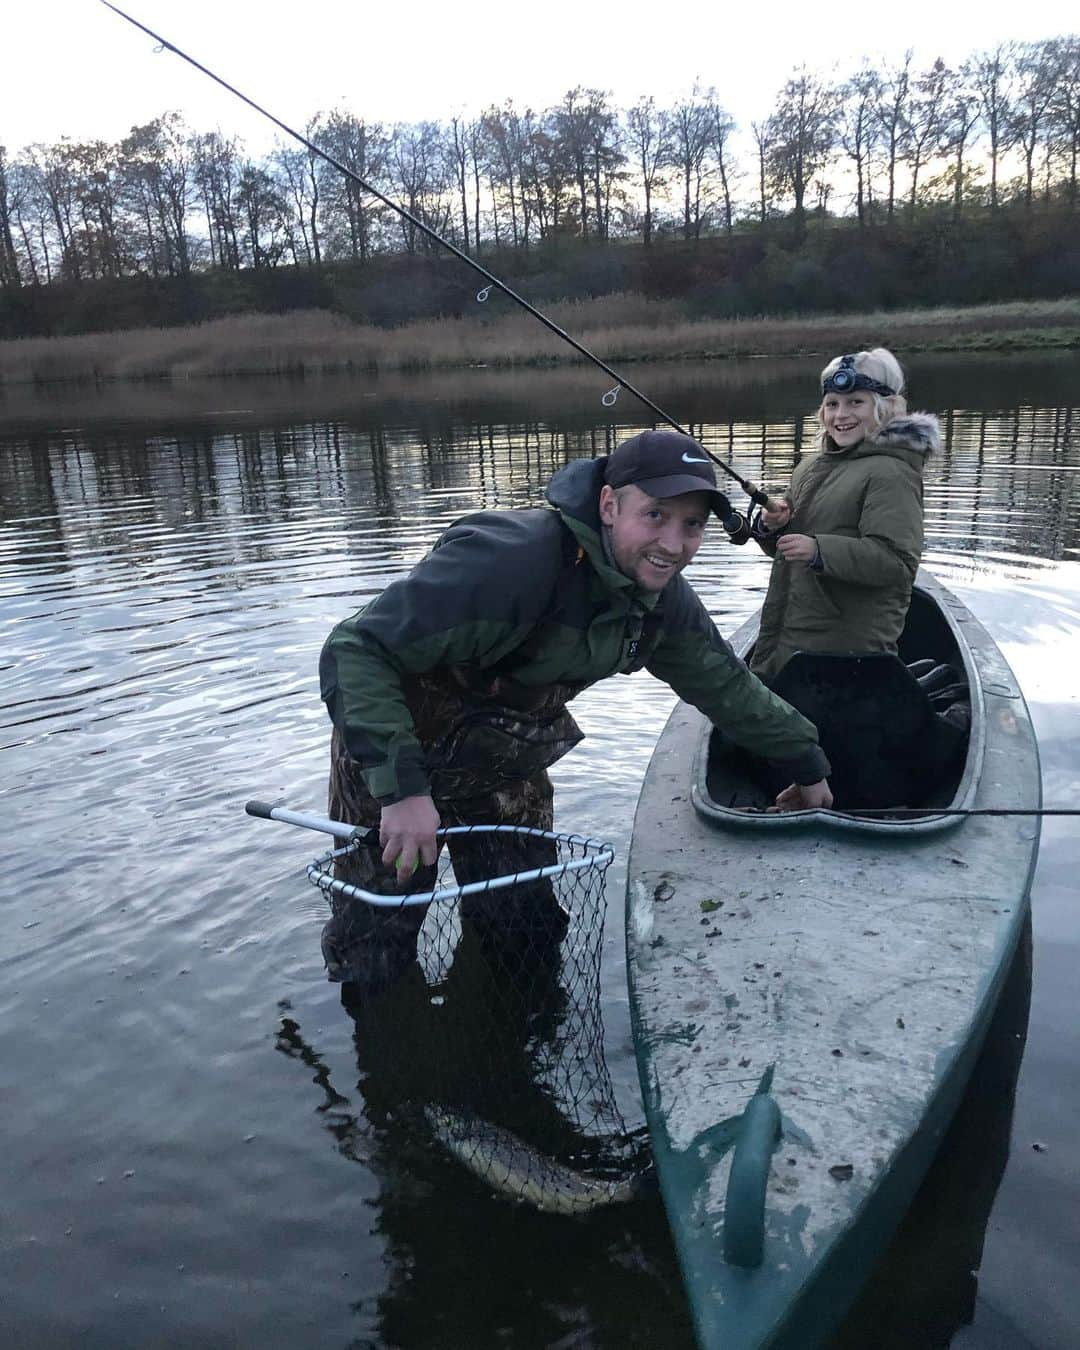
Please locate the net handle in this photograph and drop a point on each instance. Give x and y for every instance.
(338, 828)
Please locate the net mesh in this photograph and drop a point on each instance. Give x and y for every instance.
(477, 1003)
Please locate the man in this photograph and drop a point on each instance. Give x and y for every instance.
(448, 692)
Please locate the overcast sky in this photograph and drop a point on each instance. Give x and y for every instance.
(71, 67)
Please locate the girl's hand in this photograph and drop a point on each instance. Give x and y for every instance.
(797, 547)
(776, 520)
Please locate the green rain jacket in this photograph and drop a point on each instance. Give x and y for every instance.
(527, 598)
(864, 506)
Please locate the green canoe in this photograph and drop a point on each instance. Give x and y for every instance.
(809, 992)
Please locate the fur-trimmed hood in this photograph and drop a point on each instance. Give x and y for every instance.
(917, 431)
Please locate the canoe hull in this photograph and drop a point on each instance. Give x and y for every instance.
(862, 967)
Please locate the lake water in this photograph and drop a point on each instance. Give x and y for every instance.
(192, 1158)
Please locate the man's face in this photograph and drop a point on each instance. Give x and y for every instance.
(653, 538)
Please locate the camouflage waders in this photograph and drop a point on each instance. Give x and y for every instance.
(487, 763)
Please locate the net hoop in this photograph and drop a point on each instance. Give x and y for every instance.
(595, 856)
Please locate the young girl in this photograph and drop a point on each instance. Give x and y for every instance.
(847, 539)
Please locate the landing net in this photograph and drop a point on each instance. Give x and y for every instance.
(477, 1002)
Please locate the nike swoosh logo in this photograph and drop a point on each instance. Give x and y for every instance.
(690, 459)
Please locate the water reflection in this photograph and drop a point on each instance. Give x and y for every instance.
(441, 1230)
(1003, 482)
(924, 1290)
(168, 572)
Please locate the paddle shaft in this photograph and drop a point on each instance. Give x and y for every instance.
(755, 493)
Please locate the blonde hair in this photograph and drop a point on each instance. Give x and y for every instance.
(878, 364)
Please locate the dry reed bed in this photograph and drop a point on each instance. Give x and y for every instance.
(618, 328)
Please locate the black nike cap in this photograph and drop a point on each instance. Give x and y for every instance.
(665, 464)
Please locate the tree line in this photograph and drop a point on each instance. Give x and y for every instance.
(1001, 131)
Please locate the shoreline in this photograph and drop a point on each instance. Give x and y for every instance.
(626, 329)
(754, 390)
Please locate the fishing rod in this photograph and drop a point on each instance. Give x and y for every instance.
(961, 811)
(906, 812)
(756, 495)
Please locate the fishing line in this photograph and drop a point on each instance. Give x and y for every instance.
(859, 812)
(755, 493)
(961, 811)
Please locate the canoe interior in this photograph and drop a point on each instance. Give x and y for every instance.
(899, 731)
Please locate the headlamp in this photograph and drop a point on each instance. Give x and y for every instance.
(845, 379)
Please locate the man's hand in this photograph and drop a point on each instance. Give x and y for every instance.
(407, 834)
(805, 797)
(797, 547)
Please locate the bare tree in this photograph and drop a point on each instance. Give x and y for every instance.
(550, 180)
(1036, 81)
(762, 133)
(648, 135)
(993, 74)
(351, 217)
(80, 183)
(76, 211)
(926, 121)
(1066, 108)
(264, 212)
(10, 275)
(961, 116)
(459, 144)
(422, 177)
(690, 128)
(721, 125)
(157, 172)
(23, 203)
(892, 119)
(571, 122)
(299, 169)
(476, 153)
(503, 135)
(529, 175)
(589, 132)
(98, 184)
(803, 135)
(57, 190)
(607, 160)
(858, 129)
(217, 173)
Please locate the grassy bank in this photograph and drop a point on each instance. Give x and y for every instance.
(618, 328)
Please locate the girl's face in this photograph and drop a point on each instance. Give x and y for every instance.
(849, 418)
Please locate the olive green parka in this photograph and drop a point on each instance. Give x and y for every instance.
(864, 507)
